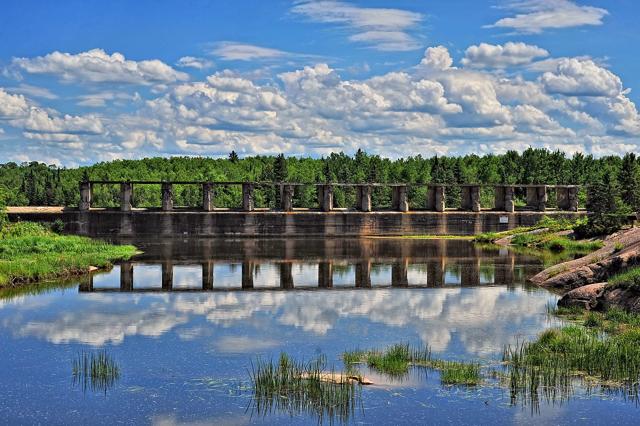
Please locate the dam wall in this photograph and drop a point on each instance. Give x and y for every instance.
(336, 223)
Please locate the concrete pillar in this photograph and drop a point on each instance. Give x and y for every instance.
(126, 191)
(537, 197)
(86, 285)
(247, 274)
(399, 274)
(247, 197)
(470, 274)
(562, 197)
(126, 276)
(286, 277)
(573, 199)
(542, 197)
(363, 274)
(363, 198)
(471, 198)
(167, 196)
(207, 275)
(286, 197)
(167, 275)
(207, 197)
(435, 272)
(325, 197)
(400, 199)
(439, 197)
(504, 198)
(85, 196)
(509, 202)
(325, 274)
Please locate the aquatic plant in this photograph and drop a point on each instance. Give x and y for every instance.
(396, 360)
(296, 387)
(96, 371)
(558, 357)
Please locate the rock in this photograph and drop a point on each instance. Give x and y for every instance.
(627, 299)
(585, 297)
(595, 267)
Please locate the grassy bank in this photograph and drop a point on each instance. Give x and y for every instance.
(30, 252)
(545, 235)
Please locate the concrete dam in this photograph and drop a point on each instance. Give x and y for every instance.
(404, 217)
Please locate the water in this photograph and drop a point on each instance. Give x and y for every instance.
(184, 321)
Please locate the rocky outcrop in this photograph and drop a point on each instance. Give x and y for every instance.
(585, 297)
(624, 298)
(620, 251)
(584, 279)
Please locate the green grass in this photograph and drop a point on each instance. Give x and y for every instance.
(95, 371)
(599, 349)
(297, 387)
(30, 252)
(397, 359)
(555, 243)
(629, 279)
(551, 224)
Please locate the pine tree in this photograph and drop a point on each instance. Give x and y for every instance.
(607, 212)
(630, 181)
(233, 157)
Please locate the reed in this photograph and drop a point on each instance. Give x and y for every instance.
(554, 361)
(95, 371)
(397, 359)
(296, 387)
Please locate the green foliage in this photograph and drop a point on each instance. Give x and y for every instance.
(630, 182)
(607, 212)
(30, 252)
(3, 208)
(40, 184)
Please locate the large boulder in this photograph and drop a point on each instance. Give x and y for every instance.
(585, 297)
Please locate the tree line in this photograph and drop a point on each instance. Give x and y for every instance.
(36, 183)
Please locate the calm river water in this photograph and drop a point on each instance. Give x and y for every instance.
(185, 320)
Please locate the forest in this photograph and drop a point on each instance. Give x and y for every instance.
(47, 185)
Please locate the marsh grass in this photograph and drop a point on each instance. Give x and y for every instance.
(551, 364)
(30, 252)
(296, 388)
(93, 371)
(396, 360)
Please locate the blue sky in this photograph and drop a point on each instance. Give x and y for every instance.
(86, 81)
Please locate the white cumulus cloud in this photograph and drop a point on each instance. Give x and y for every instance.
(501, 56)
(98, 66)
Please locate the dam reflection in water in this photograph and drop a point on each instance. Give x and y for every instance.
(229, 265)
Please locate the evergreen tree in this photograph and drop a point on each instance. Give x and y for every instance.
(607, 212)
(630, 182)
(233, 157)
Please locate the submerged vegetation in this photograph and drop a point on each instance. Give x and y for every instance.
(31, 252)
(396, 360)
(97, 372)
(297, 387)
